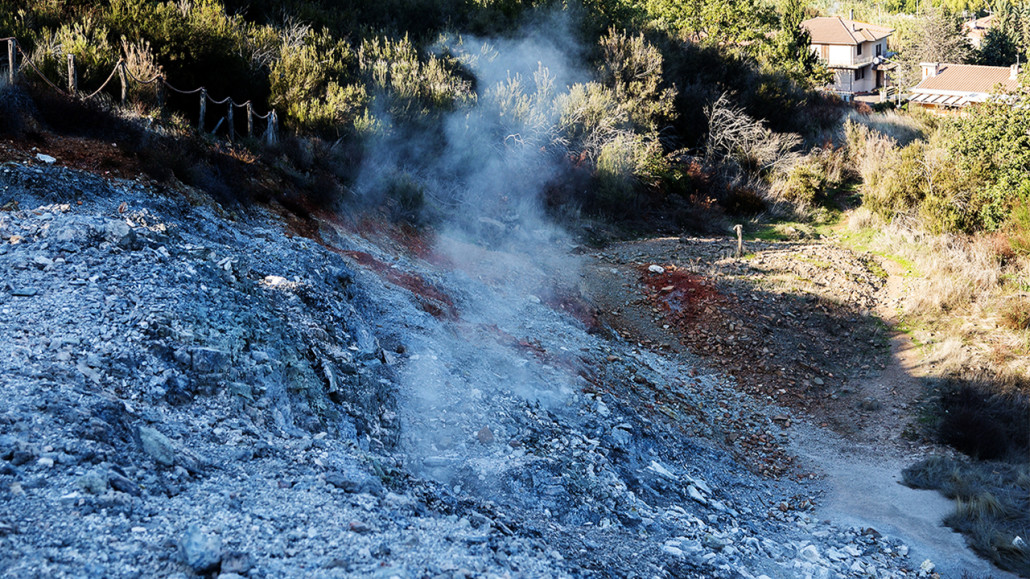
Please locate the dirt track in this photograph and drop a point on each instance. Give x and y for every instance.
(810, 326)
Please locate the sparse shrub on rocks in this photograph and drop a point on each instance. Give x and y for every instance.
(992, 504)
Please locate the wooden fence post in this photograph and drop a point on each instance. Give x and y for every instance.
(73, 81)
(161, 94)
(203, 109)
(250, 119)
(125, 81)
(12, 48)
(232, 126)
(270, 132)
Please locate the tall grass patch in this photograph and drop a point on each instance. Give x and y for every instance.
(992, 505)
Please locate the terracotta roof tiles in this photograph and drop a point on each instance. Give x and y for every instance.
(837, 30)
(968, 78)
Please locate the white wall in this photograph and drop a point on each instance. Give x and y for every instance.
(844, 80)
(841, 54)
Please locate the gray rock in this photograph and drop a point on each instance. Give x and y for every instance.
(810, 553)
(157, 445)
(123, 484)
(355, 483)
(621, 437)
(94, 482)
(209, 360)
(236, 562)
(119, 233)
(870, 404)
(200, 551)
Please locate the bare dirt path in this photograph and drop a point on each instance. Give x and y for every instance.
(810, 326)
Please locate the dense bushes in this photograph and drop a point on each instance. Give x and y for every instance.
(352, 70)
(970, 173)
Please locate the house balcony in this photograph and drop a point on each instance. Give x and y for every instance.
(856, 63)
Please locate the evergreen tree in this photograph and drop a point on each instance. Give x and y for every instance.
(791, 48)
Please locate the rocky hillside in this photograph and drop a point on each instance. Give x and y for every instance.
(191, 391)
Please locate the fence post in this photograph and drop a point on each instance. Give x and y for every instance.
(161, 94)
(270, 132)
(12, 48)
(125, 81)
(73, 81)
(232, 126)
(203, 109)
(250, 119)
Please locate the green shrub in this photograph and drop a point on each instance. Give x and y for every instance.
(306, 82)
(87, 42)
(632, 68)
(589, 115)
(804, 182)
(412, 85)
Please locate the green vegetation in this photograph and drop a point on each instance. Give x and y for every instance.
(354, 72)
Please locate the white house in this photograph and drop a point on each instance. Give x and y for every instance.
(977, 28)
(852, 50)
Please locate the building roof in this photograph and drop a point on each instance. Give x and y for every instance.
(980, 23)
(837, 30)
(968, 78)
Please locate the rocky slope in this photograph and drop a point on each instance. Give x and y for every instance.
(193, 392)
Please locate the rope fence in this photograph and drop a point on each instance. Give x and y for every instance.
(270, 136)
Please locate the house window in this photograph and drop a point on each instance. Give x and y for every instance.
(879, 49)
(860, 74)
(859, 51)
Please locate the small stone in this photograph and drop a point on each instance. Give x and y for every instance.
(24, 292)
(485, 435)
(209, 360)
(927, 566)
(158, 446)
(45, 462)
(201, 552)
(621, 437)
(119, 233)
(696, 495)
(236, 562)
(93, 482)
(656, 269)
(43, 158)
(355, 483)
(674, 551)
(810, 553)
(359, 527)
(870, 404)
(713, 543)
(122, 484)
(818, 381)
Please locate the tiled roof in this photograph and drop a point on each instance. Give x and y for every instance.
(968, 78)
(837, 30)
(980, 23)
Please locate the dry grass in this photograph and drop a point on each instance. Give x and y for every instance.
(992, 506)
(969, 293)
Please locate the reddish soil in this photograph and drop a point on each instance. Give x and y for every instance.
(429, 297)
